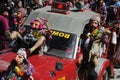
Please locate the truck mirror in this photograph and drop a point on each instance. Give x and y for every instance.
(58, 66)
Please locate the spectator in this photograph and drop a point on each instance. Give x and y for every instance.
(19, 18)
(4, 31)
(97, 5)
(111, 14)
(19, 7)
(92, 5)
(115, 41)
(17, 14)
(117, 10)
(19, 69)
(116, 55)
(109, 2)
(36, 5)
(117, 3)
(103, 11)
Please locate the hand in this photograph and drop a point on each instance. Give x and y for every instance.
(49, 30)
(14, 34)
(23, 70)
(88, 35)
(49, 34)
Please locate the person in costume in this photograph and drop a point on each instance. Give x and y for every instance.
(19, 69)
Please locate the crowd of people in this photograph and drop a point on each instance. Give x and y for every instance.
(13, 14)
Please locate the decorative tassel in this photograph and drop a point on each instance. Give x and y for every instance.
(19, 71)
(114, 38)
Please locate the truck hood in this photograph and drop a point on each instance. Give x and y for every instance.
(46, 65)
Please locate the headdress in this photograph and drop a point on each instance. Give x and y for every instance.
(22, 52)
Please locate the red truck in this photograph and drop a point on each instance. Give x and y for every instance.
(59, 62)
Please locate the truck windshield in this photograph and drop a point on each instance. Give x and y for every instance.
(62, 44)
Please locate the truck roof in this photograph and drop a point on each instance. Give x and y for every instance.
(72, 23)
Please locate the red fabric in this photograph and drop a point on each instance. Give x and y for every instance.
(4, 24)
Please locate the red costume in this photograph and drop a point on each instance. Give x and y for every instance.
(4, 26)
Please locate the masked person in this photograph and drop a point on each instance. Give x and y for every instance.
(90, 33)
(19, 69)
(20, 15)
(38, 32)
(19, 20)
